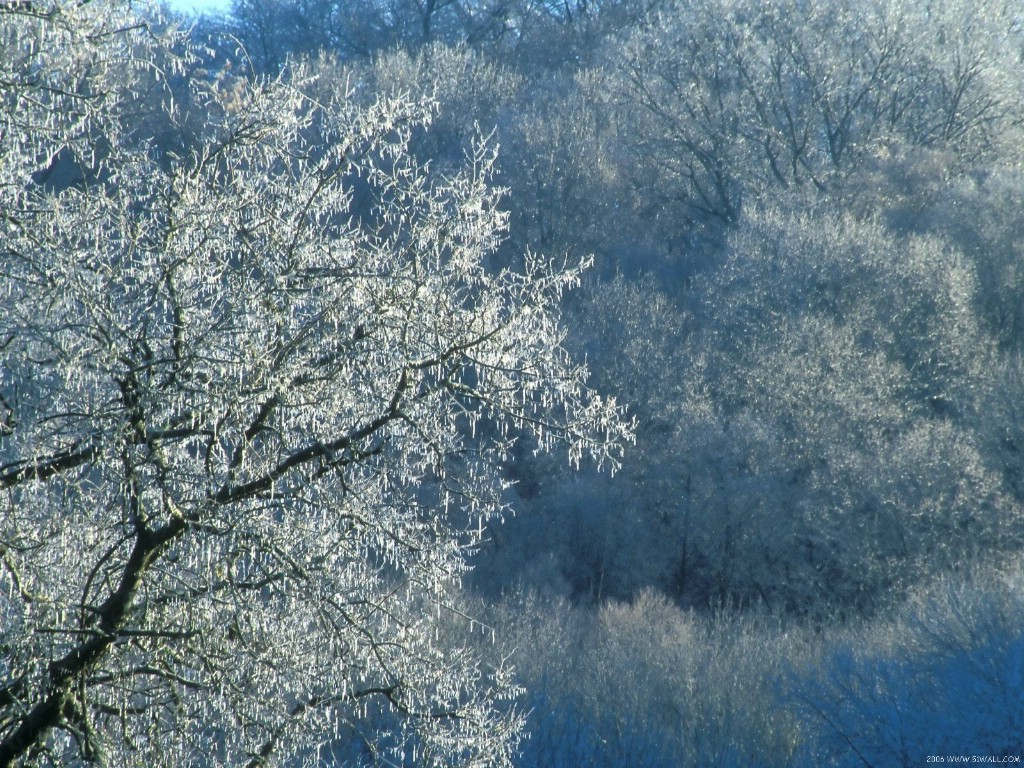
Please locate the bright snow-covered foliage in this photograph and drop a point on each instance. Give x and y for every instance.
(255, 395)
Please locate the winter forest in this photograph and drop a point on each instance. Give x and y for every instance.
(512, 383)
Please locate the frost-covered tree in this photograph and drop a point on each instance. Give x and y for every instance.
(847, 369)
(254, 405)
(724, 101)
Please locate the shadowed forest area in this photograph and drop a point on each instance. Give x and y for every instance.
(794, 235)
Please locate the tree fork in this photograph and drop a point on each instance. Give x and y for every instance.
(112, 613)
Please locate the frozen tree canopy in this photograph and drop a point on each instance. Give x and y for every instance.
(255, 396)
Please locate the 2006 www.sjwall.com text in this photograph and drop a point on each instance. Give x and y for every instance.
(973, 759)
